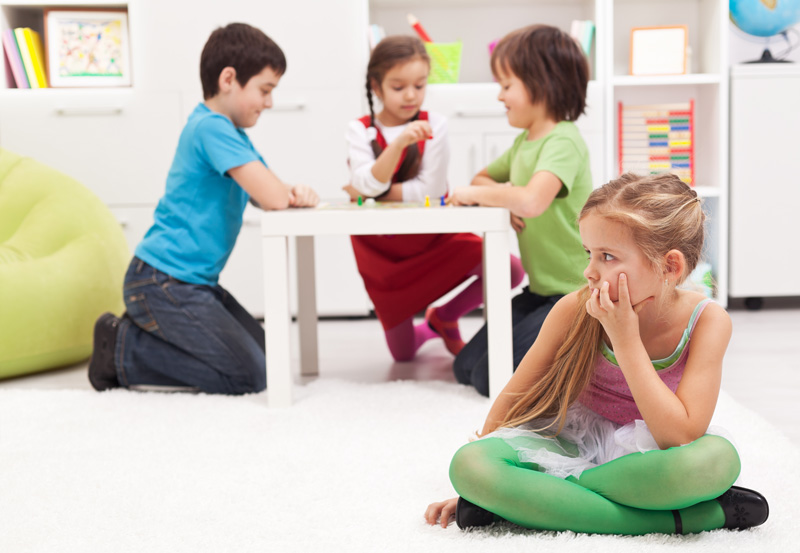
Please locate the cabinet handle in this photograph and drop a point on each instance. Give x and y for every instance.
(83, 112)
(475, 113)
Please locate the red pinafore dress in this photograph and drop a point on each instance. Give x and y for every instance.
(403, 274)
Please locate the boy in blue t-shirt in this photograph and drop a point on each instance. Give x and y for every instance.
(181, 329)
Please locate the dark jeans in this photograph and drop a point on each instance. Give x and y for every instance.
(187, 335)
(528, 312)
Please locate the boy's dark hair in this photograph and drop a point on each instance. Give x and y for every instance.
(243, 47)
(550, 64)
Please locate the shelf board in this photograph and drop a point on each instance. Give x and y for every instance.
(64, 3)
(662, 80)
(67, 92)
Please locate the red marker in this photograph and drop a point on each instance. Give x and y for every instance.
(417, 26)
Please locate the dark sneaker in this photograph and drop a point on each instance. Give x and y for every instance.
(102, 370)
(469, 515)
(743, 508)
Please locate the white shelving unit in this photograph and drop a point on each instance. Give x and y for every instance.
(117, 141)
(478, 128)
(120, 142)
(706, 83)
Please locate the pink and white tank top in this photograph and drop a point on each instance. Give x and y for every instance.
(608, 393)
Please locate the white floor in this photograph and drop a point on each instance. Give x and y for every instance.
(762, 367)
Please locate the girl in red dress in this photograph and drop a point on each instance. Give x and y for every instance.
(401, 154)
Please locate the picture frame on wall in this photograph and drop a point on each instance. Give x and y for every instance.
(87, 47)
(659, 50)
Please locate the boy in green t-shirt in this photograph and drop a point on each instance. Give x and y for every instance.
(543, 179)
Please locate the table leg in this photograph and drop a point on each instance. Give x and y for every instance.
(497, 302)
(277, 321)
(307, 306)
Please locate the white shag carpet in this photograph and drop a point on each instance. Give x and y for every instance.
(350, 467)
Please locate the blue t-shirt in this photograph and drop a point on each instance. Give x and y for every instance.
(198, 219)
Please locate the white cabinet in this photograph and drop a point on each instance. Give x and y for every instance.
(135, 222)
(765, 189)
(118, 143)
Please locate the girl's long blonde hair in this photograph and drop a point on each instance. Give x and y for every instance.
(663, 214)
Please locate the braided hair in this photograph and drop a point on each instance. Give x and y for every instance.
(389, 52)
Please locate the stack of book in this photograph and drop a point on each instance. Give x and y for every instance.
(657, 138)
(25, 58)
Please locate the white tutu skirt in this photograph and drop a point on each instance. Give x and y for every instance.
(586, 441)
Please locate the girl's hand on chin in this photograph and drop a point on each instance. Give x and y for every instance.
(620, 319)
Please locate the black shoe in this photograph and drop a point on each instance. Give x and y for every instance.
(102, 369)
(743, 508)
(469, 515)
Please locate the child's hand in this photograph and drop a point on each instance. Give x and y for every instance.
(302, 196)
(442, 510)
(517, 223)
(352, 192)
(619, 319)
(416, 131)
(462, 196)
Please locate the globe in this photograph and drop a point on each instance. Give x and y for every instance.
(765, 18)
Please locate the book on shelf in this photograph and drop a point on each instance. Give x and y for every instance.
(14, 59)
(583, 31)
(375, 34)
(34, 43)
(657, 138)
(31, 57)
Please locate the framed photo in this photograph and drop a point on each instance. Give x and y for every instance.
(659, 50)
(87, 47)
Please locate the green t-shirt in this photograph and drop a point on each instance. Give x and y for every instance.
(550, 245)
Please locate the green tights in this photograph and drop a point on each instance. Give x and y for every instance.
(634, 494)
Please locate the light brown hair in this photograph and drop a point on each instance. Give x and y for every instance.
(550, 64)
(392, 51)
(663, 214)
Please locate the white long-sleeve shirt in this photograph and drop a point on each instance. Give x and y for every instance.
(432, 177)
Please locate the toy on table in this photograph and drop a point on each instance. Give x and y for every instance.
(360, 200)
(427, 201)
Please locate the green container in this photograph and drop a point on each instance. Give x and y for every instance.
(445, 61)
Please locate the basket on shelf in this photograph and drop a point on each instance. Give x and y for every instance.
(445, 61)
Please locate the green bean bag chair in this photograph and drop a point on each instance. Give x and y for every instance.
(62, 261)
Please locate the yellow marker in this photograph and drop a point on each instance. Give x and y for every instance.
(427, 201)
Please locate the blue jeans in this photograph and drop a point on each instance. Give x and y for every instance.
(187, 335)
(528, 312)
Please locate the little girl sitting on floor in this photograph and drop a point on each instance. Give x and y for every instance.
(604, 427)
